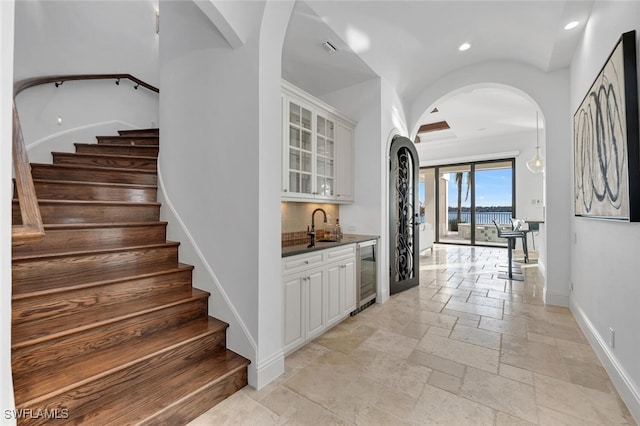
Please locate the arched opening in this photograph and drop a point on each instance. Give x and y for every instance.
(474, 143)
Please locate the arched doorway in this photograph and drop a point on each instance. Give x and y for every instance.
(484, 134)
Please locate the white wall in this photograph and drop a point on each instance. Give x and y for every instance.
(270, 362)
(605, 254)
(87, 109)
(209, 158)
(66, 37)
(380, 115)
(550, 92)
(86, 37)
(221, 167)
(362, 102)
(393, 123)
(6, 91)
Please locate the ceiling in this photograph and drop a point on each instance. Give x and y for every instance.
(481, 113)
(411, 44)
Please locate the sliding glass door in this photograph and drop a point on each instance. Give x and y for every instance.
(469, 197)
(455, 204)
(493, 201)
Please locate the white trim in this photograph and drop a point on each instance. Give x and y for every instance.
(75, 129)
(290, 89)
(542, 269)
(555, 299)
(625, 386)
(266, 370)
(471, 158)
(212, 274)
(220, 22)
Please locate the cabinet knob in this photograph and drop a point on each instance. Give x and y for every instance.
(306, 262)
(285, 190)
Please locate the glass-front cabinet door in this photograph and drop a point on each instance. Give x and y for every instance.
(325, 157)
(317, 150)
(300, 149)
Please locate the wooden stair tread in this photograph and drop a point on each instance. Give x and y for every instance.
(106, 160)
(61, 237)
(121, 145)
(40, 256)
(81, 370)
(61, 276)
(204, 375)
(92, 211)
(94, 173)
(69, 299)
(124, 157)
(33, 332)
(129, 139)
(116, 145)
(94, 168)
(154, 131)
(25, 292)
(128, 135)
(97, 203)
(76, 226)
(130, 149)
(104, 184)
(62, 253)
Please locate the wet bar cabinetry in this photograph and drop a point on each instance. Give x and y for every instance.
(317, 149)
(319, 291)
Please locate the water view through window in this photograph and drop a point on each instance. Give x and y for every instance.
(469, 198)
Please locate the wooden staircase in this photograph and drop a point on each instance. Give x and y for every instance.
(106, 327)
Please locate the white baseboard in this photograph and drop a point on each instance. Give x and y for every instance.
(269, 369)
(625, 386)
(556, 299)
(542, 268)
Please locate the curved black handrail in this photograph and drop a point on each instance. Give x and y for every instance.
(59, 79)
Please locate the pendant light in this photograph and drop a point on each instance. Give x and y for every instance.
(536, 164)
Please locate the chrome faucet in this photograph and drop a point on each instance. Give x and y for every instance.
(312, 233)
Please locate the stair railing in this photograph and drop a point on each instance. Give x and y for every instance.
(32, 228)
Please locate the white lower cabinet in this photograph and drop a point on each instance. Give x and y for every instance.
(318, 297)
(341, 298)
(348, 287)
(334, 310)
(294, 334)
(316, 319)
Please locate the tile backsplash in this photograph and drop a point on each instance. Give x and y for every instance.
(296, 217)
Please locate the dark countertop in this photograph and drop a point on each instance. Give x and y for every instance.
(346, 239)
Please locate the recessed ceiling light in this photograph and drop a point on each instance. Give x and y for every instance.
(464, 46)
(571, 25)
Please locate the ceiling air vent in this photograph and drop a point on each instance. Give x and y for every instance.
(329, 47)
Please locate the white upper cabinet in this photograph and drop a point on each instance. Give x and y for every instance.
(344, 170)
(317, 149)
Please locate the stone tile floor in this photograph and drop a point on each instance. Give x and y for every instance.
(463, 348)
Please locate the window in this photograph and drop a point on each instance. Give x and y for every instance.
(467, 198)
